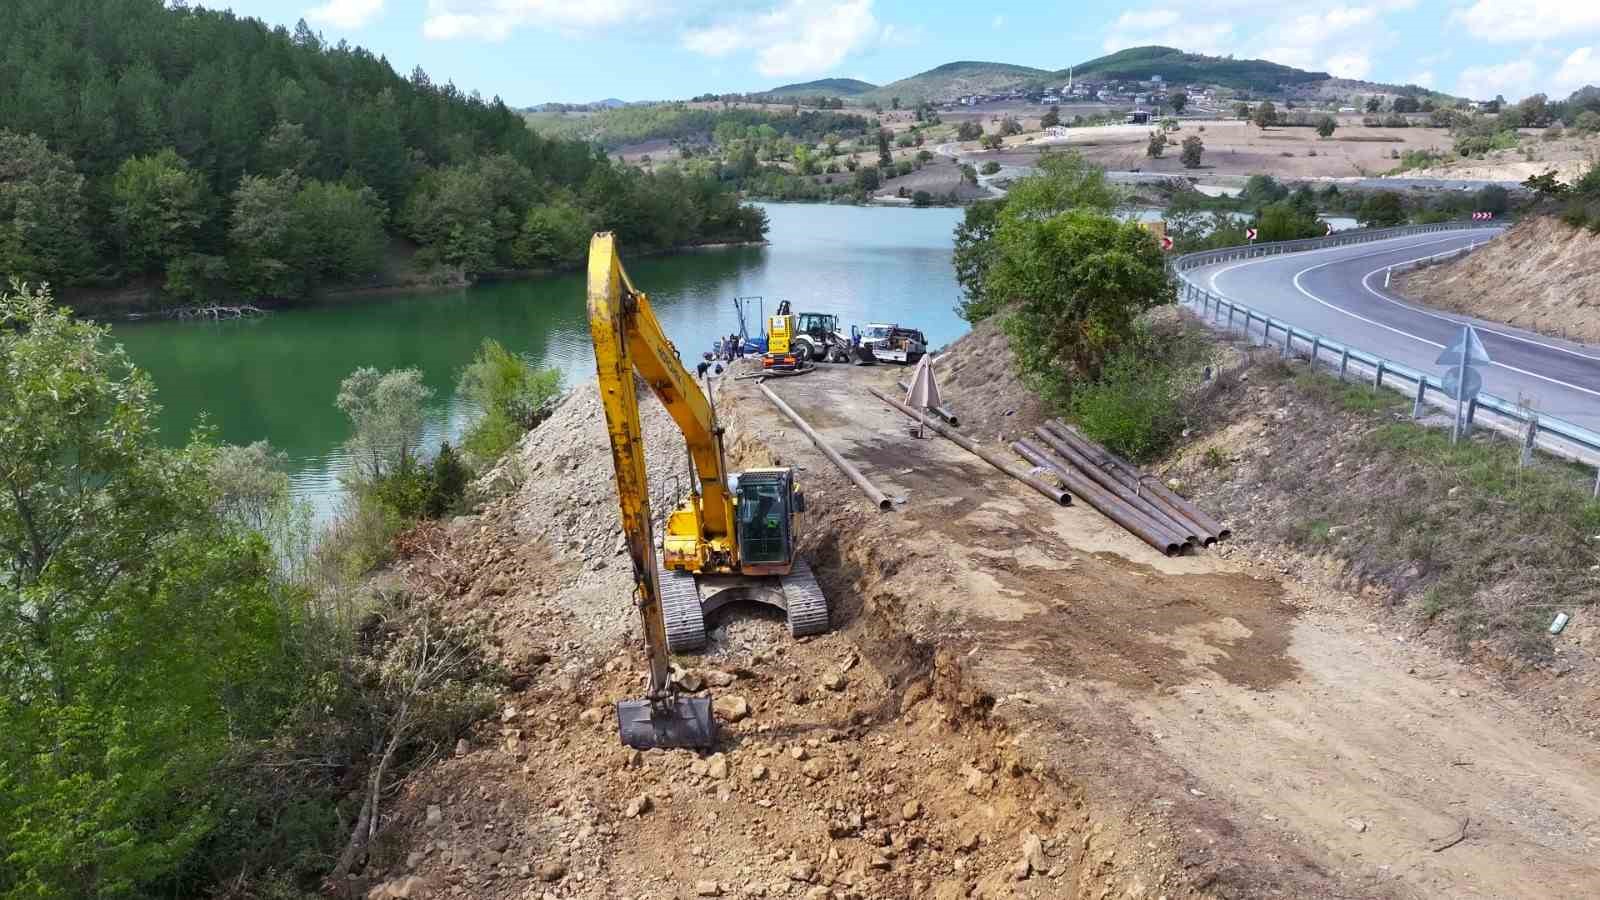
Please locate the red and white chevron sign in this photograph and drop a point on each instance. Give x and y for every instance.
(1250, 234)
(1166, 243)
(1483, 215)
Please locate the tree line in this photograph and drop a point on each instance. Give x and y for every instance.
(213, 156)
(201, 693)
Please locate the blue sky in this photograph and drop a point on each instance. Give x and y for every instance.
(528, 51)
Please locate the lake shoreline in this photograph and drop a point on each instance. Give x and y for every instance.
(112, 306)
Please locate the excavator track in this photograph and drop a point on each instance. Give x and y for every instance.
(807, 608)
(680, 606)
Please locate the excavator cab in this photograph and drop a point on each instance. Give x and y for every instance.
(766, 506)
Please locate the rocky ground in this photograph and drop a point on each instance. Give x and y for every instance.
(1017, 699)
(1542, 275)
(854, 765)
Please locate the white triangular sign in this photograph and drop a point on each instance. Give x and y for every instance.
(1467, 342)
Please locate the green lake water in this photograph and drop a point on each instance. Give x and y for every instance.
(275, 378)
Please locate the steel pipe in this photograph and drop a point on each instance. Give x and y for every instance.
(1140, 526)
(878, 498)
(942, 412)
(1144, 482)
(1185, 530)
(994, 459)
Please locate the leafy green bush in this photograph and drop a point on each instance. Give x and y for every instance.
(141, 632)
(513, 395)
(1133, 408)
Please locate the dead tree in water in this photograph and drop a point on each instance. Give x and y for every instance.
(217, 312)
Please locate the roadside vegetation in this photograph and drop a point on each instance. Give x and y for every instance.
(204, 158)
(1483, 552)
(1070, 284)
(201, 693)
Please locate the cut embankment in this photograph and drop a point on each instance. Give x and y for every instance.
(1542, 275)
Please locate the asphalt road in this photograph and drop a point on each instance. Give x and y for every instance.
(1339, 293)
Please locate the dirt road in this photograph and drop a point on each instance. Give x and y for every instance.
(1267, 739)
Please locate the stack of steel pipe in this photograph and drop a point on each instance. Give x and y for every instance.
(1147, 485)
(1114, 503)
(1148, 494)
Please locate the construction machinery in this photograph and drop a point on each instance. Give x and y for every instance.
(889, 342)
(733, 537)
(808, 337)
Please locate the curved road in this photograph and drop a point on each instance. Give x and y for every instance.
(1339, 292)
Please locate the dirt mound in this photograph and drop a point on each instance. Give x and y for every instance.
(977, 376)
(857, 764)
(1542, 275)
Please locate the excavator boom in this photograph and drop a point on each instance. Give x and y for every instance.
(627, 339)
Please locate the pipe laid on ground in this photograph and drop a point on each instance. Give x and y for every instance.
(942, 412)
(1145, 482)
(1138, 525)
(1142, 500)
(1184, 530)
(879, 498)
(994, 459)
(1143, 486)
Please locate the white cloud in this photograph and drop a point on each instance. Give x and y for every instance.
(345, 13)
(1422, 79)
(1168, 28)
(1513, 79)
(1528, 20)
(797, 37)
(1146, 20)
(1349, 65)
(494, 20)
(1581, 67)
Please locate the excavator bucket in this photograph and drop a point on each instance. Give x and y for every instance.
(677, 722)
(861, 355)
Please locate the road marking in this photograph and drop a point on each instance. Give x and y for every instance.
(1261, 259)
(1507, 335)
(1301, 288)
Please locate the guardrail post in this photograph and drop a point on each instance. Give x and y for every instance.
(1596, 494)
(1416, 405)
(1288, 341)
(1472, 408)
(1316, 345)
(1528, 438)
(1377, 377)
(1230, 315)
(1344, 362)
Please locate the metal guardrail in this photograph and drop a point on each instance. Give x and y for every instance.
(1554, 435)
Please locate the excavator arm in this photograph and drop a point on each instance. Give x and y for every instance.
(629, 340)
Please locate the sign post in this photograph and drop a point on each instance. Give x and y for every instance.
(1462, 382)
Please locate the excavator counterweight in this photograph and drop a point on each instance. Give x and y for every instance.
(732, 538)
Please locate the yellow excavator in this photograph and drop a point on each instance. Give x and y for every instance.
(732, 538)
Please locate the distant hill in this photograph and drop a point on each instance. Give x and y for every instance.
(954, 79)
(823, 87)
(1177, 67)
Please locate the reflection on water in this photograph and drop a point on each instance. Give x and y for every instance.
(275, 378)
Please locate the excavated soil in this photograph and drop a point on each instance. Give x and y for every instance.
(858, 764)
(1542, 275)
(1017, 700)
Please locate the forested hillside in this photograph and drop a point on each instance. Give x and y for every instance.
(215, 157)
(1178, 67)
(619, 127)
